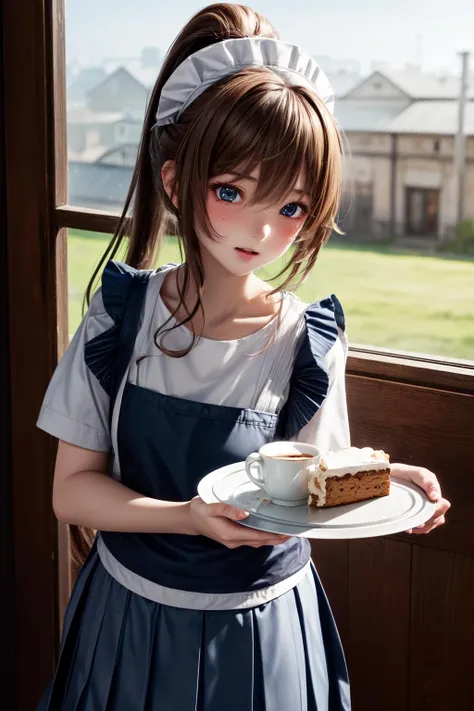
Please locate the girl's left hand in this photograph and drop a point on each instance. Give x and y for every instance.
(427, 481)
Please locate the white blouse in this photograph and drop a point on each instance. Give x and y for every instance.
(251, 372)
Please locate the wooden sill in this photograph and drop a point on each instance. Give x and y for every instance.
(82, 218)
(402, 367)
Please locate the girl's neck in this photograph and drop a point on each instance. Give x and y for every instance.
(233, 306)
(226, 292)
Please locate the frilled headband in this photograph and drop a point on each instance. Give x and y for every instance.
(209, 65)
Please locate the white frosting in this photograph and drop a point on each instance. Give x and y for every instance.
(347, 461)
(353, 460)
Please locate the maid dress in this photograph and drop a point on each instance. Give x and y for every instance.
(173, 622)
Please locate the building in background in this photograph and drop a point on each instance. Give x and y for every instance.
(401, 126)
(105, 111)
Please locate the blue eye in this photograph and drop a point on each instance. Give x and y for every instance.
(227, 193)
(291, 210)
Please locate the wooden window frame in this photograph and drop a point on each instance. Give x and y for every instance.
(36, 218)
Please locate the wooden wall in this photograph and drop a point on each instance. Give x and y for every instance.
(404, 604)
(6, 554)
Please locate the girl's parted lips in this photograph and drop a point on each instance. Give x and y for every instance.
(246, 253)
(247, 249)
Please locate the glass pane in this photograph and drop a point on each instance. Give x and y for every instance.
(392, 269)
(112, 63)
(415, 303)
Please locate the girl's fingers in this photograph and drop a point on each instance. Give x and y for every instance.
(438, 518)
(264, 539)
(220, 522)
(254, 543)
(420, 476)
(231, 532)
(429, 525)
(441, 507)
(226, 511)
(263, 542)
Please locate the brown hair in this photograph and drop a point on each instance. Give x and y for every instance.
(247, 119)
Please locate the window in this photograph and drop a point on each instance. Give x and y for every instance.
(111, 71)
(422, 212)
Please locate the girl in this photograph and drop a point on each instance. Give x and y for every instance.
(178, 371)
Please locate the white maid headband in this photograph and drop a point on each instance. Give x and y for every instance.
(209, 65)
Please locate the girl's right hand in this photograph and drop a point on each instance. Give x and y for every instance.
(217, 521)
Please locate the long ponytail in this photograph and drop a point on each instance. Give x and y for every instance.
(148, 214)
(150, 207)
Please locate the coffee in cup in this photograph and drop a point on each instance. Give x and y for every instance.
(283, 469)
(300, 456)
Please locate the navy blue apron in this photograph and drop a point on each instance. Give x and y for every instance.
(121, 651)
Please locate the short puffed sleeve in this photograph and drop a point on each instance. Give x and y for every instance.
(316, 408)
(76, 405)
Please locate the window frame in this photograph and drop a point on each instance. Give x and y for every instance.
(362, 360)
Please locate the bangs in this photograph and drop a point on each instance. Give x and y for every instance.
(279, 128)
(254, 119)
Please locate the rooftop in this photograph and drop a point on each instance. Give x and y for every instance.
(420, 85)
(366, 114)
(436, 117)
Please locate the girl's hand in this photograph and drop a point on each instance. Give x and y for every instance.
(427, 481)
(217, 521)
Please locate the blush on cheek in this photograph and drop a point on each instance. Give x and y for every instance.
(290, 232)
(221, 212)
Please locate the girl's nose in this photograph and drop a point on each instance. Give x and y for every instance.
(263, 231)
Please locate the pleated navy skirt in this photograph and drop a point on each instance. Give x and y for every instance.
(123, 652)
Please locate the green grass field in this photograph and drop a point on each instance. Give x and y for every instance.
(392, 299)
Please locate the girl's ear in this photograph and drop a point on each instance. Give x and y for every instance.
(168, 175)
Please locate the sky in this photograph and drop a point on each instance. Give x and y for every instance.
(397, 32)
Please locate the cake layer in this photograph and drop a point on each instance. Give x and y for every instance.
(351, 488)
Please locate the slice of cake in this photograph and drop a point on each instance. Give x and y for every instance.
(348, 476)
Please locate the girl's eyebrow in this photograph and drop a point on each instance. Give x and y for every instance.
(242, 176)
(301, 193)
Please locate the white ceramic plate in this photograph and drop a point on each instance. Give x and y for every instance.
(407, 506)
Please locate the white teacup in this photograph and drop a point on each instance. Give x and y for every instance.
(283, 469)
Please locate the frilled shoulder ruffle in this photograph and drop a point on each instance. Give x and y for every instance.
(99, 353)
(309, 382)
(116, 280)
